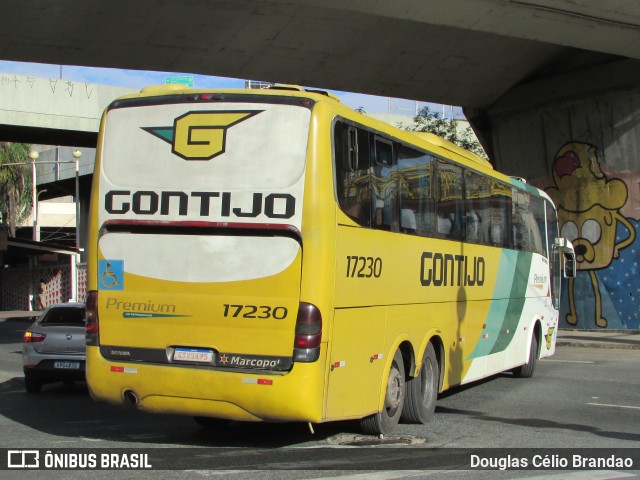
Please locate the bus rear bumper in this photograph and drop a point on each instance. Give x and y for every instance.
(295, 396)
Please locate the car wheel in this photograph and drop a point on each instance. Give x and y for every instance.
(32, 385)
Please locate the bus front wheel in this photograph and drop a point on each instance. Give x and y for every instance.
(422, 390)
(383, 422)
(526, 370)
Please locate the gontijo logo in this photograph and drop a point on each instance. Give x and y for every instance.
(200, 135)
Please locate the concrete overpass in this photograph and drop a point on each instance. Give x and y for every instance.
(552, 87)
(458, 52)
(52, 111)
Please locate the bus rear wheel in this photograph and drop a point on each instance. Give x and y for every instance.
(383, 422)
(422, 390)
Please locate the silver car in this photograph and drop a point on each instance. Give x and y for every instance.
(54, 348)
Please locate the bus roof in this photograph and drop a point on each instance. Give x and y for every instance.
(156, 90)
(441, 142)
(429, 141)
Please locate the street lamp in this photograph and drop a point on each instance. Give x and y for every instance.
(33, 155)
(76, 291)
(76, 155)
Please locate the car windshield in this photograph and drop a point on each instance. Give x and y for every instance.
(64, 316)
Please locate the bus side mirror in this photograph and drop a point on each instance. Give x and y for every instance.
(569, 264)
(568, 257)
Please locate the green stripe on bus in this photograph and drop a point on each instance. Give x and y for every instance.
(516, 302)
(499, 304)
(508, 303)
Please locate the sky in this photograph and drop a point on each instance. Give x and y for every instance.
(140, 78)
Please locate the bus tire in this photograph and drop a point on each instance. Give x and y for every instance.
(385, 421)
(422, 390)
(526, 370)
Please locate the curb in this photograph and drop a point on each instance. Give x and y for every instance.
(597, 344)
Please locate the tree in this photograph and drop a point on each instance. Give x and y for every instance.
(433, 122)
(15, 185)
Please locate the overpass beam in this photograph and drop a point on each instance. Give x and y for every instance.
(577, 136)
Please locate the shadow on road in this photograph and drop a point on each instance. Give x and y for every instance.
(540, 424)
(70, 412)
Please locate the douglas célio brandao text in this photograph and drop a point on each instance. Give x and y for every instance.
(551, 461)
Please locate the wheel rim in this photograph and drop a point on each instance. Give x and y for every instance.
(395, 390)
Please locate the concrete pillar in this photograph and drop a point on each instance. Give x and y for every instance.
(577, 136)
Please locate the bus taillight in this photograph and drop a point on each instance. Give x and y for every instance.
(92, 328)
(308, 333)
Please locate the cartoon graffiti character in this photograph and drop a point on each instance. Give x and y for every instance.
(589, 206)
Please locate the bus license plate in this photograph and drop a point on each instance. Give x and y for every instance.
(67, 365)
(193, 355)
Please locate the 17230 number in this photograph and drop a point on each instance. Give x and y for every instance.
(254, 311)
(363, 267)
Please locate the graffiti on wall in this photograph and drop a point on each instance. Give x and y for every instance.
(590, 214)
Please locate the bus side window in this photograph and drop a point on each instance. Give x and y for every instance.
(478, 214)
(417, 208)
(353, 180)
(384, 180)
(520, 218)
(551, 222)
(450, 206)
(528, 215)
(499, 231)
(537, 226)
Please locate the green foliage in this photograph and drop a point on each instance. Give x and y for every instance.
(434, 122)
(15, 185)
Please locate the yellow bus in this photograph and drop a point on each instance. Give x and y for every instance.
(272, 255)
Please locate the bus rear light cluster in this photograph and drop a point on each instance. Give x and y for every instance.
(92, 328)
(306, 346)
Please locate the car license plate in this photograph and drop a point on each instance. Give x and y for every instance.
(67, 365)
(193, 355)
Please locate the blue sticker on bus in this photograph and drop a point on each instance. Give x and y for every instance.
(111, 274)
